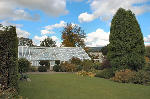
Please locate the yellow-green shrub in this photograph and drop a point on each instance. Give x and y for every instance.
(84, 73)
(124, 76)
(68, 67)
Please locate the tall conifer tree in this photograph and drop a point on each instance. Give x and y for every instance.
(126, 49)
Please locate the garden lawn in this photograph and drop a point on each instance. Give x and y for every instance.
(72, 86)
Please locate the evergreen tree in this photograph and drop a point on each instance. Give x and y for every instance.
(126, 48)
(8, 57)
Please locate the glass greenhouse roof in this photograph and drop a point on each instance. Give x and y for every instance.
(51, 53)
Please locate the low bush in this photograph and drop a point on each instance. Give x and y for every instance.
(97, 66)
(85, 73)
(33, 69)
(128, 76)
(42, 69)
(141, 77)
(87, 65)
(45, 63)
(106, 73)
(124, 76)
(68, 67)
(57, 68)
(23, 65)
(147, 67)
(23, 76)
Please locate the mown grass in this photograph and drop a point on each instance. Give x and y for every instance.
(71, 86)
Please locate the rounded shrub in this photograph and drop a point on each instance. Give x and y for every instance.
(106, 73)
(23, 65)
(42, 69)
(57, 68)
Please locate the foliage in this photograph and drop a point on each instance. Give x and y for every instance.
(75, 61)
(128, 76)
(33, 69)
(105, 63)
(68, 67)
(104, 50)
(97, 66)
(9, 57)
(9, 93)
(73, 36)
(126, 48)
(42, 69)
(85, 73)
(48, 42)
(23, 65)
(141, 77)
(45, 63)
(147, 67)
(87, 65)
(106, 73)
(147, 51)
(124, 76)
(24, 77)
(57, 62)
(25, 42)
(57, 68)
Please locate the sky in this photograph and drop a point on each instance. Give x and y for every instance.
(39, 19)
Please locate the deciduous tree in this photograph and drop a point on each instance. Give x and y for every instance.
(73, 36)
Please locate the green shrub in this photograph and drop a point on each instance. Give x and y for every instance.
(68, 67)
(33, 69)
(97, 66)
(124, 76)
(23, 65)
(141, 77)
(45, 63)
(79, 67)
(42, 69)
(106, 73)
(75, 61)
(147, 67)
(57, 68)
(87, 65)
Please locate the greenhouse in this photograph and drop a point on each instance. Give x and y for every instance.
(36, 54)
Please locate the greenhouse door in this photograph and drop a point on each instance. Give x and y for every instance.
(52, 63)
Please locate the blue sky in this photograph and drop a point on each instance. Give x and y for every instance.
(37, 19)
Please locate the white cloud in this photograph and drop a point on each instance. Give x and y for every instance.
(58, 43)
(85, 17)
(98, 38)
(37, 39)
(147, 39)
(49, 29)
(147, 44)
(76, 0)
(22, 33)
(105, 9)
(9, 8)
